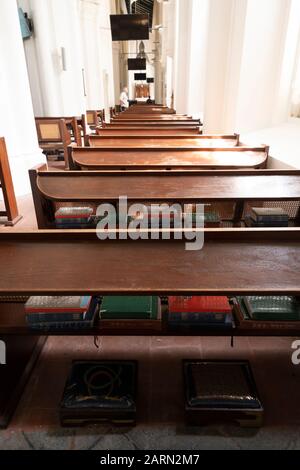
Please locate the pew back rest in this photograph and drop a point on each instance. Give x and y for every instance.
(52, 190)
(52, 131)
(92, 118)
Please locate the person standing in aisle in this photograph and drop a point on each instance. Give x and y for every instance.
(124, 99)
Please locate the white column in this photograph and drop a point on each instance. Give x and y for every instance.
(190, 44)
(56, 84)
(97, 52)
(182, 51)
(224, 55)
(249, 67)
(262, 73)
(17, 124)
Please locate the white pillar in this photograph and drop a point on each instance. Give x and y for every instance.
(224, 55)
(262, 71)
(197, 57)
(17, 124)
(97, 52)
(56, 84)
(182, 51)
(190, 36)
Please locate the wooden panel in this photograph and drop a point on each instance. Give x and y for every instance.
(235, 261)
(154, 117)
(135, 131)
(149, 109)
(173, 141)
(50, 131)
(142, 91)
(6, 184)
(21, 355)
(161, 120)
(93, 186)
(152, 123)
(166, 158)
(92, 118)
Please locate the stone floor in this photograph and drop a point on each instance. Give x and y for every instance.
(35, 424)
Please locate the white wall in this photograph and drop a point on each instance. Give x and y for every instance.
(17, 124)
(234, 60)
(290, 61)
(55, 92)
(264, 41)
(198, 50)
(82, 28)
(224, 50)
(97, 51)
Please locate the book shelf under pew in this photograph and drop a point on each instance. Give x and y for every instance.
(232, 262)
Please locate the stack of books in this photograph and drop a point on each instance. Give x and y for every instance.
(129, 307)
(221, 391)
(74, 217)
(164, 219)
(208, 219)
(100, 391)
(270, 308)
(200, 311)
(57, 313)
(158, 218)
(267, 217)
(212, 219)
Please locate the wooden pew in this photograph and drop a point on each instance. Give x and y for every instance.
(151, 119)
(11, 212)
(149, 109)
(53, 137)
(226, 191)
(76, 126)
(162, 125)
(231, 262)
(170, 141)
(166, 159)
(94, 118)
(174, 127)
(148, 131)
(184, 272)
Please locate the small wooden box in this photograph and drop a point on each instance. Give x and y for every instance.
(221, 391)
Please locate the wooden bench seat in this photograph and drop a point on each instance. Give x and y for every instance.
(171, 141)
(232, 262)
(152, 131)
(175, 159)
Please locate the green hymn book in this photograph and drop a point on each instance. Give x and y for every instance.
(129, 307)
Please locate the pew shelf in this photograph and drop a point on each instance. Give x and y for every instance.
(235, 261)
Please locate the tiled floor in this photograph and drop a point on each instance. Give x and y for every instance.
(160, 398)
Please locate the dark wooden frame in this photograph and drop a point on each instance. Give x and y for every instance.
(6, 184)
